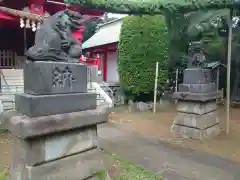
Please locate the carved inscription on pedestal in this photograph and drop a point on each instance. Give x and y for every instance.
(62, 77)
(206, 77)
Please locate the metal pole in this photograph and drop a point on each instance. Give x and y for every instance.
(176, 84)
(229, 70)
(155, 89)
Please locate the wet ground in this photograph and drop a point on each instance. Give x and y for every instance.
(158, 125)
(5, 151)
(171, 161)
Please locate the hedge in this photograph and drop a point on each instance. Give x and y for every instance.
(143, 42)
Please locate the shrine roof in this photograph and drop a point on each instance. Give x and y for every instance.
(107, 33)
(214, 65)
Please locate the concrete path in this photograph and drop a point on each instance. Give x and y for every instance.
(172, 162)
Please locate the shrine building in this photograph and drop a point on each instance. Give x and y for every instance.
(104, 43)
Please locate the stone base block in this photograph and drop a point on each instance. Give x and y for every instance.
(25, 127)
(197, 88)
(44, 105)
(196, 107)
(77, 167)
(202, 97)
(188, 132)
(48, 148)
(197, 121)
(197, 76)
(44, 78)
(139, 107)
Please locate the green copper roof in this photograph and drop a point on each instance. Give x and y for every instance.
(107, 33)
(214, 65)
(153, 6)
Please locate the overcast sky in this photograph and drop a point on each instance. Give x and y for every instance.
(116, 15)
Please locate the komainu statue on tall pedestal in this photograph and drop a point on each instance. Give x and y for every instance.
(54, 41)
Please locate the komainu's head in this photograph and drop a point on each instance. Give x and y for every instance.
(68, 19)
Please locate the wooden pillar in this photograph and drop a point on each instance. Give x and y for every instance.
(98, 63)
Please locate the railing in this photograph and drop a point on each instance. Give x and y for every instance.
(118, 96)
(105, 97)
(4, 79)
(7, 101)
(108, 88)
(115, 93)
(8, 105)
(7, 59)
(11, 89)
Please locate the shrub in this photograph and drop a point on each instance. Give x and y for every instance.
(143, 42)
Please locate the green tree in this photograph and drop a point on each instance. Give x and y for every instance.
(143, 42)
(177, 24)
(194, 26)
(92, 26)
(90, 30)
(213, 25)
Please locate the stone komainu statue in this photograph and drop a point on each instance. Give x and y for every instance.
(197, 56)
(54, 41)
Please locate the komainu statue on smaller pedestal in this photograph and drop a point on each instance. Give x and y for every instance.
(197, 56)
(54, 41)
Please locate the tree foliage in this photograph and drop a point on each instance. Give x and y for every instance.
(211, 27)
(143, 42)
(177, 25)
(194, 26)
(92, 26)
(152, 6)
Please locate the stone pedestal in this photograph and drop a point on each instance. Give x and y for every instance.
(54, 127)
(197, 116)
